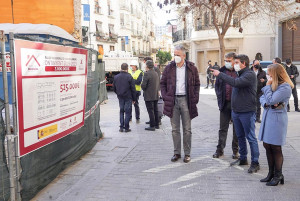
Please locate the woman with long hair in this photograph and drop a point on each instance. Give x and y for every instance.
(276, 95)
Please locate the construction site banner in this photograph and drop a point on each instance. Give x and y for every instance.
(51, 92)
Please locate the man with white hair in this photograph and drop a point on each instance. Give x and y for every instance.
(137, 76)
(180, 87)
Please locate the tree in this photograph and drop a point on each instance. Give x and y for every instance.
(163, 57)
(227, 13)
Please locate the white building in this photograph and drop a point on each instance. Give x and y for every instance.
(267, 36)
(119, 26)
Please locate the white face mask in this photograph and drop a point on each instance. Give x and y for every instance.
(289, 65)
(237, 67)
(228, 65)
(177, 59)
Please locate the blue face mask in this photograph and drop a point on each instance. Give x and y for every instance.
(228, 65)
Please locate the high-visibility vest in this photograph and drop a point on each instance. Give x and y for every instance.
(135, 76)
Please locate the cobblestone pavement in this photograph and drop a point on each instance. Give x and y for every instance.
(136, 165)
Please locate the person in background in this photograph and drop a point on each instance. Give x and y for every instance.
(209, 75)
(150, 87)
(261, 82)
(223, 92)
(293, 73)
(125, 90)
(276, 60)
(213, 78)
(157, 70)
(137, 76)
(180, 87)
(243, 104)
(273, 129)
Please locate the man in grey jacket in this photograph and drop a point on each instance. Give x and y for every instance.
(150, 87)
(243, 105)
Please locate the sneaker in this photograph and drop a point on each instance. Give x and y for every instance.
(121, 130)
(127, 130)
(254, 167)
(239, 162)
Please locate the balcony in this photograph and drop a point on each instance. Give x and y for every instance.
(105, 37)
(123, 6)
(134, 33)
(181, 35)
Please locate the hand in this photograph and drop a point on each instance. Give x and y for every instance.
(215, 72)
(133, 102)
(292, 76)
(262, 80)
(269, 82)
(275, 105)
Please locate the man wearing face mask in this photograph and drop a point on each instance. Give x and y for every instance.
(261, 82)
(243, 105)
(293, 73)
(180, 87)
(223, 92)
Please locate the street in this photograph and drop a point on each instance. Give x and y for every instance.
(136, 165)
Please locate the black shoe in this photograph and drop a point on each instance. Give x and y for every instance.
(217, 154)
(297, 110)
(239, 162)
(254, 167)
(235, 155)
(187, 158)
(268, 178)
(127, 130)
(148, 122)
(121, 130)
(175, 157)
(150, 128)
(288, 110)
(276, 180)
(258, 121)
(156, 127)
(206, 87)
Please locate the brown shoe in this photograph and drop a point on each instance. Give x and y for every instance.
(187, 158)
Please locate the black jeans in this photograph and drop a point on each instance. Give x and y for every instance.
(258, 106)
(136, 105)
(153, 113)
(209, 80)
(295, 95)
(225, 117)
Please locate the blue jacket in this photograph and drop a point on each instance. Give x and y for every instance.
(274, 122)
(124, 86)
(243, 97)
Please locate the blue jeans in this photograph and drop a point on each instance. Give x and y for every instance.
(125, 107)
(244, 123)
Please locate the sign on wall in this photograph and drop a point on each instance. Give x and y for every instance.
(51, 90)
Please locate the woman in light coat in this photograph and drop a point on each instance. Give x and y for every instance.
(276, 95)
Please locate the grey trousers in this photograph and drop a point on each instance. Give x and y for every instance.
(181, 111)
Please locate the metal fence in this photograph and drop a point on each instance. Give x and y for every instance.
(21, 178)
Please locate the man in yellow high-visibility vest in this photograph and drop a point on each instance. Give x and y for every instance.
(138, 78)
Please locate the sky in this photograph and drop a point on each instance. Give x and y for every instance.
(160, 15)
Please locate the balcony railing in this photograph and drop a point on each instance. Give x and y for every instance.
(182, 34)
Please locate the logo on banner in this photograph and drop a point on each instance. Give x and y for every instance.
(32, 63)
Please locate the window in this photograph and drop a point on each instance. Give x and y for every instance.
(122, 20)
(111, 48)
(198, 24)
(111, 28)
(98, 26)
(97, 7)
(206, 19)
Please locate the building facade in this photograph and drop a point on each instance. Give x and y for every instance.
(119, 26)
(268, 36)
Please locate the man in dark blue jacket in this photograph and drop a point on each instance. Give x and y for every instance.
(125, 89)
(243, 104)
(223, 92)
